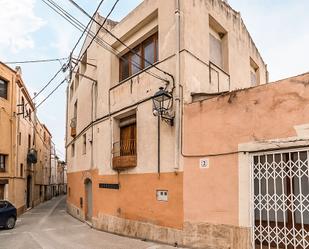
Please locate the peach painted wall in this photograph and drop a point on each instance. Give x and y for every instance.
(136, 198)
(219, 125)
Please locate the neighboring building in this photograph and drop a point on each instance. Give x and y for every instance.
(58, 174)
(246, 168)
(19, 141)
(121, 177)
(54, 164)
(61, 175)
(43, 189)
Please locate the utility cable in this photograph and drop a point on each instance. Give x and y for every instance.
(88, 25)
(51, 93)
(35, 61)
(98, 40)
(119, 40)
(49, 82)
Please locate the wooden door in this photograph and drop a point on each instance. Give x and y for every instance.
(128, 140)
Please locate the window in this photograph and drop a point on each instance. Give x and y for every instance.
(75, 114)
(21, 170)
(72, 90)
(29, 142)
(84, 143)
(76, 80)
(3, 89)
(218, 44)
(145, 54)
(19, 138)
(215, 44)
(254, 73)
(73, 150)
(2, 162)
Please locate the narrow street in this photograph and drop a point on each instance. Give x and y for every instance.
(48, 226)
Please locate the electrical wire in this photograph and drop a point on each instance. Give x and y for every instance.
(88, 25)
(34, 61)
(98, 40)
(49, 82)
(51, 93)
(119, 40)
(96, 34)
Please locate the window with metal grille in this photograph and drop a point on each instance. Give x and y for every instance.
(281, 199)
(3, 89)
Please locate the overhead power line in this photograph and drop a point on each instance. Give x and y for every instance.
(51, 93)
(77, 24)
(34, 61)
(96, 34)
(118, 39)
(88, 25)
(49, 82)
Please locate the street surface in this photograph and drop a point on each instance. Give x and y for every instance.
(48, 226)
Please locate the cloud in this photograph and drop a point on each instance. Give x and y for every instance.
(18, 22)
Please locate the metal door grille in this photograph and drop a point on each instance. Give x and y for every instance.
(281, 199)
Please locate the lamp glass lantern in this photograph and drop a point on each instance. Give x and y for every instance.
(161, 102)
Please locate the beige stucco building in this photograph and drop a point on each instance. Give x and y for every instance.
(20, 133)
(127, 171)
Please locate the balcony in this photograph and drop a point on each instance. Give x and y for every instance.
(124, 154)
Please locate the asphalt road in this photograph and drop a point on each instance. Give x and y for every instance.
(48, 226)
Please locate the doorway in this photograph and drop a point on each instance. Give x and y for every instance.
(29, 180)
(281, 199)
(88, 188)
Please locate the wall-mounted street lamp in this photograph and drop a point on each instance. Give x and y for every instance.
(162, 104)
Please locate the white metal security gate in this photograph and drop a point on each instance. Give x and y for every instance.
(281, 199)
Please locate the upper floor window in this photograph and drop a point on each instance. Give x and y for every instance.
(72, 90)
(144, 55)
(2, 162)
(254, 73)
(3, 89)
(218, 44)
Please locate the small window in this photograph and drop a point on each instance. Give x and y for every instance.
(29, 142)
(19, 138)
(73, 150)
(254, 73)
(84, 144)
(218, 44)
(3, 89)
(215, 46)
(3, 162)
(21, 170)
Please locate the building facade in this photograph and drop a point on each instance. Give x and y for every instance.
(126, 170)
(19, 142)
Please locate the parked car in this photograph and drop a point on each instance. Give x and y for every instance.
(8, 214)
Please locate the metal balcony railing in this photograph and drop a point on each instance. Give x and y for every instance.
(124, 154)
(124, 148)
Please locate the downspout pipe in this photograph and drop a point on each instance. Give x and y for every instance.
(177, 86)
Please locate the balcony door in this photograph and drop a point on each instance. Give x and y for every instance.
(128, 140)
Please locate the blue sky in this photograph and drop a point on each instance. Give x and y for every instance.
(30, 30)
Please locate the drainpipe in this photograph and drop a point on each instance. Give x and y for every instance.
(177, 86)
